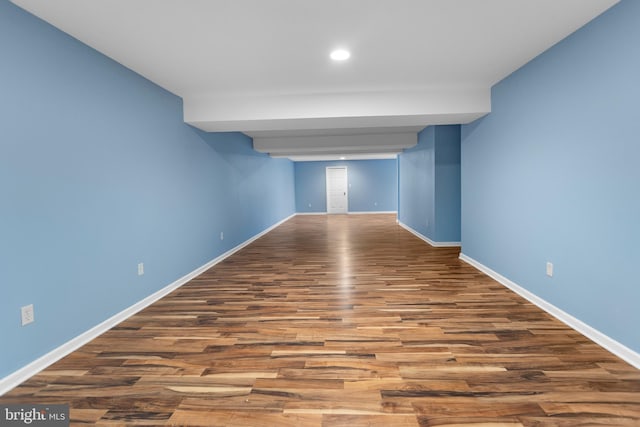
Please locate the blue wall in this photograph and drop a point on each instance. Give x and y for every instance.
(97, 173)
(373, 185)
(430, 184)
(447, 184)
(552, 175)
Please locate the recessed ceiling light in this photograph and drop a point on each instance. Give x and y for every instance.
(342, 158)
(340, 55)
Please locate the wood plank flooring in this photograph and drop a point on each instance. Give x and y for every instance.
(344, 320)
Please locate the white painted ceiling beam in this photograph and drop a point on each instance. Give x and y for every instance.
(343, 144)
(333, 157)
(219, 113)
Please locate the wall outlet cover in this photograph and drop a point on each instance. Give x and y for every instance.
(27, 314)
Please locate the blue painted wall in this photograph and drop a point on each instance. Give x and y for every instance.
(417, 184)
(552, 175)
(447, 184)
(97, 173)
(373, 185)
(430, 184)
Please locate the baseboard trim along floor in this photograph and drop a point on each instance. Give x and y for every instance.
(428, 240)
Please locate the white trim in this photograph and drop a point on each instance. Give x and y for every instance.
(349, 213)
(16, 378)
(372, 212)
(428, 240)
(598, 337)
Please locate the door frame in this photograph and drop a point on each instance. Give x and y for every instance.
(346, 189)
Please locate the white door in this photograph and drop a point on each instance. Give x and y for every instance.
(337, 199)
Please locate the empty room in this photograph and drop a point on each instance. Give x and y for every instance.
(320, 213)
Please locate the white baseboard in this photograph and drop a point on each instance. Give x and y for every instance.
(428, 240)
(598, 337)
(350, 213)
(372, 212)
(14, 379)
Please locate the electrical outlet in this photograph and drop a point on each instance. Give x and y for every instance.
(375, 203)
(309, 204)
(222, 235)
(549, 269)
(140, 268)
(27, 314)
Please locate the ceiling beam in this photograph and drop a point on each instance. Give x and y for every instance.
(337, 110)
(389, 143)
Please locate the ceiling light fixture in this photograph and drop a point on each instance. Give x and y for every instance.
(342, 158)
(340, 55)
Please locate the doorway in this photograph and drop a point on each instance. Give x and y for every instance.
(337, 189)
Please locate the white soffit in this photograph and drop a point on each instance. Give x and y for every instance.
(338, 110)
(381, 143)
(327, 158)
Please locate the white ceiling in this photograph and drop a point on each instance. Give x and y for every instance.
(262, 66)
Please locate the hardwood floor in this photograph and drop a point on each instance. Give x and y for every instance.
(341, 320)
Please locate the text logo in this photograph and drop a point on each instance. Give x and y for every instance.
(34, 415)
